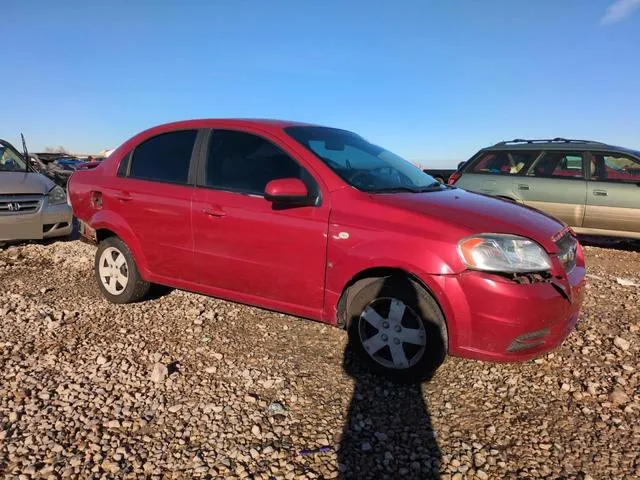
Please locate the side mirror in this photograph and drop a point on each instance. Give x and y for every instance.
(290, 191)
(460, 165)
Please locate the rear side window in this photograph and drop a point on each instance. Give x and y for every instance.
(558, 165)
(502, 162)
(164, 158)
(615, 168)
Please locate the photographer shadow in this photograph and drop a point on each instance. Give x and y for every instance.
(388, 431)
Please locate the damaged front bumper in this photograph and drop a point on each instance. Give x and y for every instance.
(499, 319)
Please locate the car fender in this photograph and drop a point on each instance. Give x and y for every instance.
(107, 219)
(346, 265)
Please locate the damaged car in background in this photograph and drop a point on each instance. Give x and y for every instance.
(60, 166)
(32, 206)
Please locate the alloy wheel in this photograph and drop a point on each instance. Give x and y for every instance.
(391, 333)
(113, 271)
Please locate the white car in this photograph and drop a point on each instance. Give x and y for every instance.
(32, 206)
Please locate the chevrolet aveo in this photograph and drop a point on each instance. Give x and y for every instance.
(318, 222)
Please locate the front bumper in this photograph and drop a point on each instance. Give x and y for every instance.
(494, 318)
(48, 221)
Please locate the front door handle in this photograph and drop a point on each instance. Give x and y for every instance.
(214, 212)
(600, 193)
(522, 186)
(124, 196)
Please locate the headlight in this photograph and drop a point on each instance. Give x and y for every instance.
(503, 253)
(56, 195)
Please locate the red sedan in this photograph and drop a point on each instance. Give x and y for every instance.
(320, 223)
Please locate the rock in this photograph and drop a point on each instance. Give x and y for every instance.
(479, 460)
(619, 397)
(381, 436)
(365, 447)
(626, 282)
(255, 430)
(159, 373)
(276, 408)
(101, 360)
(251, 398)
(482, 475)
(621, 343)
(175, 408)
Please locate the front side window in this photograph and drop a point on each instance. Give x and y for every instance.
(164, 158)
(615, 168)
(361, 164)
(243, 162)
(10, 161)
(558, 165)
(502, 162)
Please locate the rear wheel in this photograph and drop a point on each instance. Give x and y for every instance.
(117, 273)
(397, 328)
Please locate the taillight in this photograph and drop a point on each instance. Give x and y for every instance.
(455, 176)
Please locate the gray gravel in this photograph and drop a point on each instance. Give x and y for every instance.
(185, 386)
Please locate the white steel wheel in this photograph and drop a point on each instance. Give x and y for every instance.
(391, 333)
(113, 271)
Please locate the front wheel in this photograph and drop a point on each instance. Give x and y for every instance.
(117, 273)
(397, 328)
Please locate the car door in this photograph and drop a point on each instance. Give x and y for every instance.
(613, 193)
(494, 172)
(556, 184)
(153, 196)
(244, 244)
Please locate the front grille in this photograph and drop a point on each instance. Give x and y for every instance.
(567, 251)
(19, 204)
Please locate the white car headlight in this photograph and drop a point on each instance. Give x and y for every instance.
(56, 195)
(503, 253)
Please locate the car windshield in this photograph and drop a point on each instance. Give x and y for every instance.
(361, 164)
(10, 161)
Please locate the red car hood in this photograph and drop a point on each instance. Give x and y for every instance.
(479, 214)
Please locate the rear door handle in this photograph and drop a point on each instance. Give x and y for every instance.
(600, 193)
(214, 211)
(522, 186)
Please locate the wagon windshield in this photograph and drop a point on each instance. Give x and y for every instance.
(361, 164)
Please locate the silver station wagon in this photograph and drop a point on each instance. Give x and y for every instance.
(591, 186)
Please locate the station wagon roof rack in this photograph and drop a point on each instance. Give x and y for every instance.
(548, 140)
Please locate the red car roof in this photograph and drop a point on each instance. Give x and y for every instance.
(240, 122)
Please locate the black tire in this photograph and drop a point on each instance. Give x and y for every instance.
(421, 307)
(136, 288)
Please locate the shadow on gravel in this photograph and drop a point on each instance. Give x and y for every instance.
(627, 245)
(388, 431)
(157, 291)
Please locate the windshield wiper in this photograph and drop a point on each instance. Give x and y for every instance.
(393, 190)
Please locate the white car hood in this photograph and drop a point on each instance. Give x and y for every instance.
(12, 183)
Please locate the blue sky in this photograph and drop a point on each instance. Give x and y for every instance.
(432, 80)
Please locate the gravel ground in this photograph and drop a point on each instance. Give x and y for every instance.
(185, 386)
